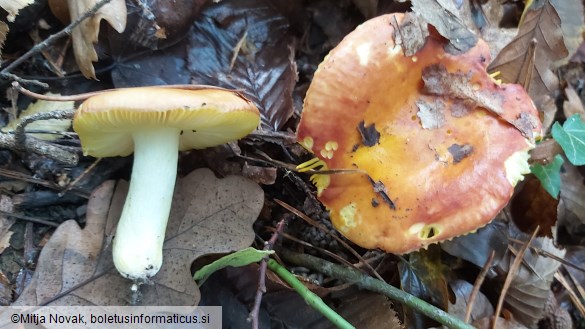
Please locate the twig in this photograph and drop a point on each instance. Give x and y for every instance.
(574, 298)
(39, 147)
(50, 40)
(255, 313)
(369, 283)
(478, 282)
(30, 219)
(23, 81)
(311, 298)
(19, 131)
(85, 172)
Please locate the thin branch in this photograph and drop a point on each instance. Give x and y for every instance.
(478, 282)
(19, 131)
(310, 297)
(255, 313)
(29, 219)
(40, 147)
(369, 283)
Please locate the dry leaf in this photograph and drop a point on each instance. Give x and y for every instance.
(411, 34)
(6, 206)
(573, 191)
(246, 45)
(209, 215)
(533, 206)
(573, 104)
(549, 110)
(530, 288)
(572, 24)
(13, 6)
(431, 115)
(482, 92)
(367, 310)
(486, 323)
(3, 33)
(447, 24)
(542, 25)
(481, 305)
(86, 34)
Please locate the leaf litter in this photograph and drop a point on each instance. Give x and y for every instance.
(209, 215)
(242, 49)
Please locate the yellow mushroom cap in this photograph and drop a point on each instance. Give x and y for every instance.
(204, 117)
(364, 110)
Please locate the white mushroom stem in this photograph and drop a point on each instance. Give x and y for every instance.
(141, 230)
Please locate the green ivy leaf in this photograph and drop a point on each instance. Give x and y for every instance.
(571, 137)
(239, 258)
(549, 175)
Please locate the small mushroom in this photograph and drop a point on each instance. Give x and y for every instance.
(441, 143)
(156, 123)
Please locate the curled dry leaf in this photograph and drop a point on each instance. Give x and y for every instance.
(13, 6)
(209, 215)
(86, 34)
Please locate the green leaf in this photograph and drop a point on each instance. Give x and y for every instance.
(571, 137)
(239, 258)
(549, 175)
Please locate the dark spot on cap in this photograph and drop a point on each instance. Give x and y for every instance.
(370, 136)
(460, 152)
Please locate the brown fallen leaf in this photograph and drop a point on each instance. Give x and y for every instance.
(411, 34)
(246, 45)
(572, 24)
(573, 192)
(209, 215)
(481, 305)
(482, 92)
(530, 288)
(542, 26)
(533, 206)
(461, 39)
(85, 35)
(549, 110)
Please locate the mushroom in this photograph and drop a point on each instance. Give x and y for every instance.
(156, 123)
(441, 143)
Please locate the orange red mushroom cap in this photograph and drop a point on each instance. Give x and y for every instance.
(441, 145)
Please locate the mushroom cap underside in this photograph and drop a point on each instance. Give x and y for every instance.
(203, 117)
(365, 110)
